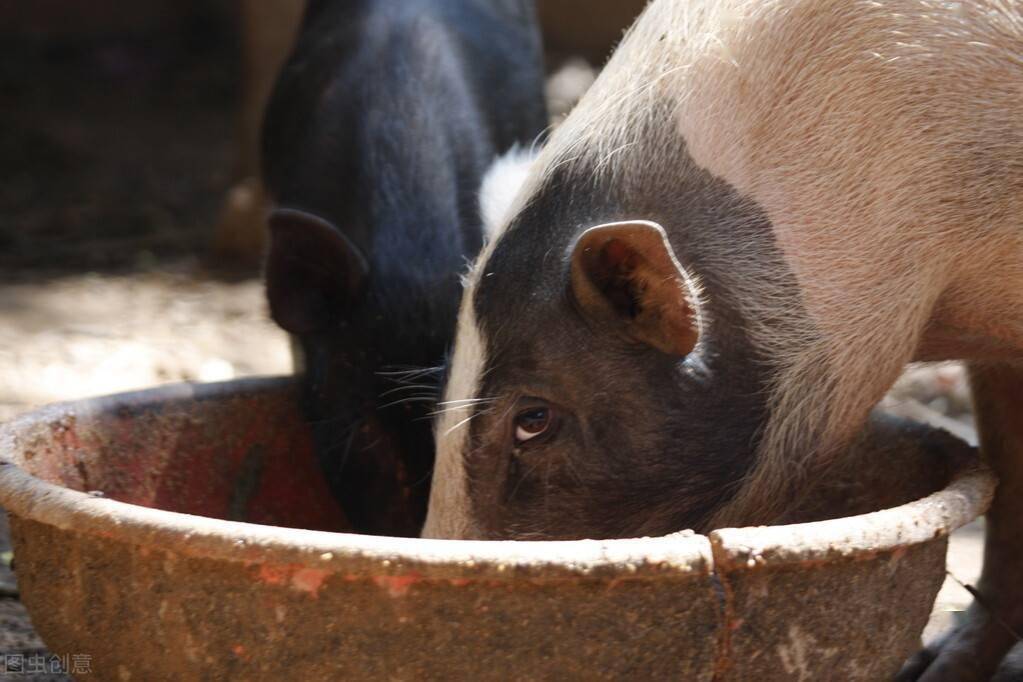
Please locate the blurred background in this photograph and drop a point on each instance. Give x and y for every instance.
(117, 145)
(129, 220)
(127, 147)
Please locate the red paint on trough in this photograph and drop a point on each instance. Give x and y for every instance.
(275, 575)
(397, 585)
(296, 576)
(309, 579)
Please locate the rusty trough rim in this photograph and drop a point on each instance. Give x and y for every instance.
(679, 554)
(863, 536)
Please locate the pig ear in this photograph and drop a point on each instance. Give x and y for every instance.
(312, 271)
(627, 273)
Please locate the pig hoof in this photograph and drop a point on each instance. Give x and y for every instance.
(970, 653)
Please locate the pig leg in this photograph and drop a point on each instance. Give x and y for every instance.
(974, 650)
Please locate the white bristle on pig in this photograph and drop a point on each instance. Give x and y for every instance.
(502, 183)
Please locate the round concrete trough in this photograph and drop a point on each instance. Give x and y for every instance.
(121, 513)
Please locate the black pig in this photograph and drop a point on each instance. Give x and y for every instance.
(375, 140)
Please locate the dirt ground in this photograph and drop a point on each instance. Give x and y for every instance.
(116, 157)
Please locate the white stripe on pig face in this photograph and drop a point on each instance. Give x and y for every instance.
(449, 512)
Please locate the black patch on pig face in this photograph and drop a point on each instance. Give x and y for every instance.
(639, 442)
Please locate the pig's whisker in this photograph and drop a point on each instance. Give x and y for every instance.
(459, 425)
(370, 446)
(523, 477)
(461, 405)
(333, 420)
(345, 441)
(467, 401)
(411, 373)
(574, 471)
(465, 421)
(410, 387)
(429, 399)
(426, 477)
(408, 369)
(538, 139)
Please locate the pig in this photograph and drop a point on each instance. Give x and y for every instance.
(757, 216)
(375, 141)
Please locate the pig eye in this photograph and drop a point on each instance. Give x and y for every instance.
(532, 423)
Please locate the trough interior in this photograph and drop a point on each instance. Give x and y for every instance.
(243, 451)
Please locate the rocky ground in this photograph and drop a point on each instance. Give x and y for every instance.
(115, 161)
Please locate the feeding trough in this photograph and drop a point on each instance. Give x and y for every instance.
(184, 533)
